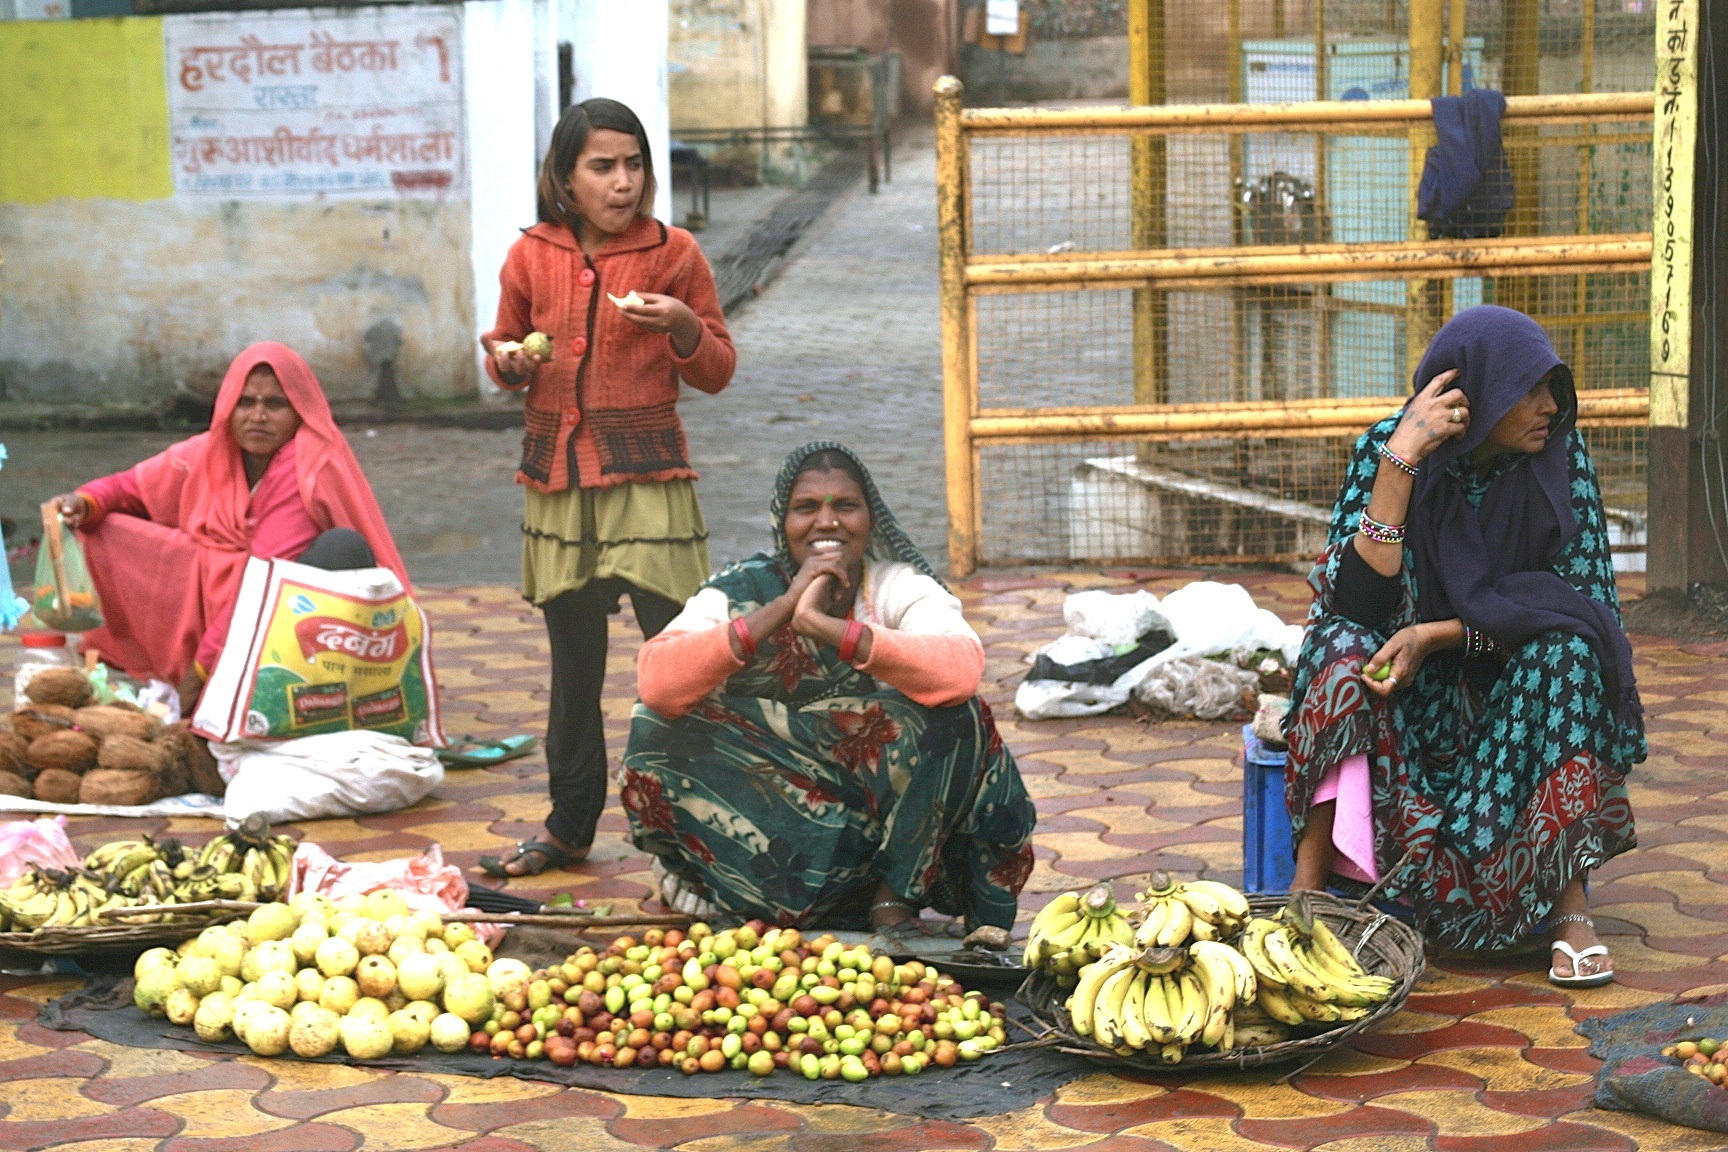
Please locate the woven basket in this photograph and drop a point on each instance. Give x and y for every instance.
(98, 938)
(1383, 945)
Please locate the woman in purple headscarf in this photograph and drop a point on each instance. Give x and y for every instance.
(1465, 693)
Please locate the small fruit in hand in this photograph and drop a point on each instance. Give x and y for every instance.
(1382, 672)
(630, 300)
(538, 345)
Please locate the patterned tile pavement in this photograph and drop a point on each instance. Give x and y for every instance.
(1484, 1058)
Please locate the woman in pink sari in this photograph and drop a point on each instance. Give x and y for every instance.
(167, 541)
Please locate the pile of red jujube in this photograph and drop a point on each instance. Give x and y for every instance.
(752, 998)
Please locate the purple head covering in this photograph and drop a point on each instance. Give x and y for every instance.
(1492, 566)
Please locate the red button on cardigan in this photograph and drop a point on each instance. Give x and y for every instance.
(579, 345)
(585, 277)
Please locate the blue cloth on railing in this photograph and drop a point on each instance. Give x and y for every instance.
(1466, 187)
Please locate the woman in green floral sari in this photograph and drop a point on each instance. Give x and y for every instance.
(810, 747)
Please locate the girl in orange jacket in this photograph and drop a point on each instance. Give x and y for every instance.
(630, 306)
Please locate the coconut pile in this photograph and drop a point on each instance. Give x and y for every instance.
(63, 748)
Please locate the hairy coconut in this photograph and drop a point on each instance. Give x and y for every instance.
(131, 754)
(37, 721)
(67, 687)
(57, 786)
(110, 786)
(67, 750)
(105, 720)
(13, 748)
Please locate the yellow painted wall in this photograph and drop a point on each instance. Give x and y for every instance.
(83, 110)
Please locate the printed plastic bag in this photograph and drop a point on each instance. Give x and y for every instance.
(24, 843)
(423, 881)
(312, 652)
(337, 774)
(65, 595)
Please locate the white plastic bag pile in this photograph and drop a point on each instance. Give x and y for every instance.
(1207, 618)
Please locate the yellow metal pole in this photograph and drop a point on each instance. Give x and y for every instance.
(1426, 300)
(1521, 75)
(959, 388)
(1355, 116)
(1148, 176)
(1295, 417)
(1455, 48)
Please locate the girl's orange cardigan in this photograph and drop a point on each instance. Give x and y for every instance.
(602, 411)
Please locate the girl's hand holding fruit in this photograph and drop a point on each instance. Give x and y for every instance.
(655, 312)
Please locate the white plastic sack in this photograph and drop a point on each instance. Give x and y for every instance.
(337, 774)
(1213, 619)
(1206, 617)
(1115, 619)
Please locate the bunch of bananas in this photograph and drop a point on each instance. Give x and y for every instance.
(1305, 973)
(1195, 910)
(51, 898)
(1203, 973)
(247, 863)
(1164, 998)
(1075, 929)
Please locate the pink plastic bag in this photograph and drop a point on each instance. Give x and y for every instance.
(424, 881)
(27, 842)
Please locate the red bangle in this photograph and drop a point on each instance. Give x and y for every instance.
(745, 641)
(849, 642)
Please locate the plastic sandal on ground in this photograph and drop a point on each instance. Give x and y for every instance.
(550, 856)
(679, 895)
(473, 752)
(1579, 978)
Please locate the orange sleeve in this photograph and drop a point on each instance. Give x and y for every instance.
(514, 321)
(932, 669)
(709, 365)
(675, 670)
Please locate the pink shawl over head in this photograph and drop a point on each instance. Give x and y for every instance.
(162, 580)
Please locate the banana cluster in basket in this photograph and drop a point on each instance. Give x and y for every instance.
(245, 864)
(1192, 967)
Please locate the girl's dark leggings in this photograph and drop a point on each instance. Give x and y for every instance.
(575, 732)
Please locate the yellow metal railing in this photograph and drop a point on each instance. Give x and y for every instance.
(967, 275)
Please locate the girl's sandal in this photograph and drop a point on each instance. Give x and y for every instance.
(1577, 956)
(539, 855)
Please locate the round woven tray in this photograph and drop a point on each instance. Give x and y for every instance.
(122, 937)
(1383, 945)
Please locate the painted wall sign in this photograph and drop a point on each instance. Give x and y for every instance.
(364, 103)
(1671, 224)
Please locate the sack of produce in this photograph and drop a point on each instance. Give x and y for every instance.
(313, 651)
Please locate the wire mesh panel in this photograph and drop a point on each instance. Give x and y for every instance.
(1220, 500)
(1122, 275)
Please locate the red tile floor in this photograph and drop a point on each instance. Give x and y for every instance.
(1482, 1059)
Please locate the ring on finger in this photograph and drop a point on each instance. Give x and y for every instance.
(1457, 415)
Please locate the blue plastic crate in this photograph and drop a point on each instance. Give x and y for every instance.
(1268, 856)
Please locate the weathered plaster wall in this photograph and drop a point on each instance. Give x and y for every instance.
(738, 63)
(110, 300)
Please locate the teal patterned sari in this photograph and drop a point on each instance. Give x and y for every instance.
(802, 782)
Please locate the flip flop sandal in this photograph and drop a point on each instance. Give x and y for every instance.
(1578, 979)
(551, 856)
(472, 752)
